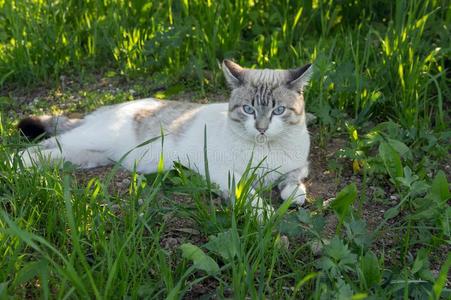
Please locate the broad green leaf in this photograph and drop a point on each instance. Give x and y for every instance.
(391, 159)
(442, 279)
(440, 187)
(289, 226)
(417, 265)
(401, 148)
(340, 253)
(371, 271)
(343, 202)
(421, 261)
(344, 291)
(223, 244)
(357, 232)
(408, 178)
(392, 212)
(419, 187)
(304, 216)
(423, 215)
(200, 260)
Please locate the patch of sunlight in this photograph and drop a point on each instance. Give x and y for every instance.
(431, 56)
(375, 95)
(147, 7)
(55, 110)
(297, 17)
(97, 187)
(284, 28)
(260, 45)
(160, 167)
(274, 45)
(401, 74)
(355, 135)
(111, 74)
(315, 4)
(91, 45)
(364, 94)
(359, 296)
(239, 190)
(160, 95)
(386, 46)
(372, 137)
(411, 57)
(185, 6)
(63, 39)
(314, 54)
(356, 166)
(421, 22)
(404, 35)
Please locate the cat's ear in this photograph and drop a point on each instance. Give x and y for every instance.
(233, 73)
(300, 77)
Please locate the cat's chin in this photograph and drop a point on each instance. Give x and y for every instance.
(262, 139)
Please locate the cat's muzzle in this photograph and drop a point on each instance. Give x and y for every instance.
(261, 138)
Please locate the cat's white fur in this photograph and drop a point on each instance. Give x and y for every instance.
(109, 133)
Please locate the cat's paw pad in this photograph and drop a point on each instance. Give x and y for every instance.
(262, 210)
(296, 192)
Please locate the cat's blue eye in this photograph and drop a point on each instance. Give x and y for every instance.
(248, 109)
(279, 110)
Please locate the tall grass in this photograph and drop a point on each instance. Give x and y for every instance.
(379, 59)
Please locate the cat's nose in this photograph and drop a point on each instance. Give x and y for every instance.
(261, 130)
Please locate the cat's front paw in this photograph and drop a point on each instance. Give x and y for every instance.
(297, 192)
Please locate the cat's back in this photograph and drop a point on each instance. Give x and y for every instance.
(174, 117)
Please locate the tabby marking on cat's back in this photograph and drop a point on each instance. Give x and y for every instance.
(173, 116)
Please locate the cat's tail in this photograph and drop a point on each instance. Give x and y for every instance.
(46, 126)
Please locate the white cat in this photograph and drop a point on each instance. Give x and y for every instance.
(264, 120)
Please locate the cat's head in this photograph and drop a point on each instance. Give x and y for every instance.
(266, 103)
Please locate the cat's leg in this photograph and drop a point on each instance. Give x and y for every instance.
(54, 151)
(261, 208)
(37, 156)
(34, 155)
(292, 187)
(84, 159)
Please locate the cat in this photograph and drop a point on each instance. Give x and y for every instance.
(264, 123)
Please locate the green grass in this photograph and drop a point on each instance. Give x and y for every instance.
(381, 84)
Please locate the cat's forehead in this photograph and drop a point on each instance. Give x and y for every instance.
(265, 77)
(263, 94)
(264, 87)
